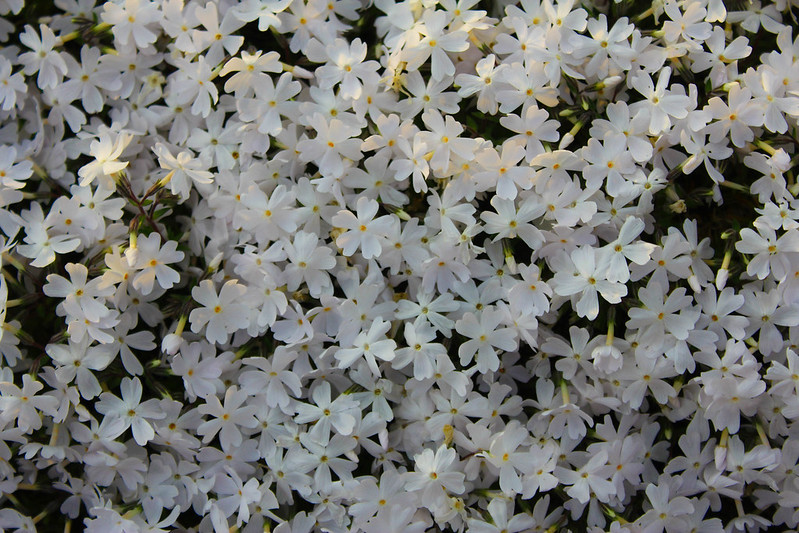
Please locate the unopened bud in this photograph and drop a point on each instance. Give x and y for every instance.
(763, 145)
(721, 278)
(213, 266)
(720, 453)
(679, 206)
(566, 141)
(693, 282)
(607, 358)
(132, 253)
(61, 39)
(724, 273)
(298, 72)
(130, 514)
(400, 212)
(163, 182)
(171, 343)
(609, 82)
(762, 434)
(509, 259)
(564, 392)
(335, 233)
(103, 26)
(449, 434)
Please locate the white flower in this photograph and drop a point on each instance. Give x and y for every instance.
(200, 369)
(346, 66)
(363, 231)
(507, 222)
(661, 103)
(271, 101)
(772, 255)
(181, 170)
(584, 275)
(337, 414)
(658, 316)
(435, 471)
(42, 243)
(239, 495)
(604, 44)
(590, 479)
(22, 405)
(485, 337)
(667, 509)
(82, 298)
(483, 83)
(226, 419)
(532, 127)
(384, 280)
(508, 454)
(421, 351)
(131, 20)
(77, 360)
(333, 140)
(272, 378)
(435, 42)
(49, 64)
(371, 345)
(12, 86)
(735, 119)
(131, 410)
(150, 259)
(220, 312)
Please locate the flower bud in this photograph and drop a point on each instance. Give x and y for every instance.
(449, 434)
(679, 206)
(566, 141)
(720, 453)
(609, 82)
(693, 282)
(171, 344)
(721, 278)
(723, 273)
(215, 262)
(607, 358)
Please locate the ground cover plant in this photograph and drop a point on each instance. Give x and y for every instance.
(293, 266)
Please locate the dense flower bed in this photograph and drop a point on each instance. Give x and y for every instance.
(332, 265)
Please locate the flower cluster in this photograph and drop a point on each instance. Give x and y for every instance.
(338, 265)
